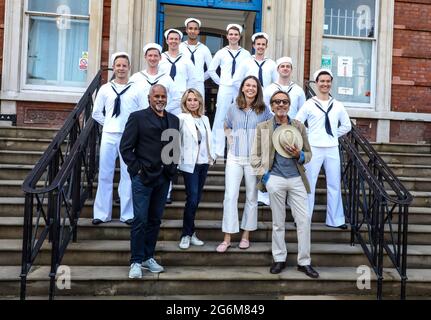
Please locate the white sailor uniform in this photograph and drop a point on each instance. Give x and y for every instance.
(228, 60)
(144, 81)
(323, 118)
(113, 118)
(265, 71)
(296, 94)
(181, 70)
(201, 58)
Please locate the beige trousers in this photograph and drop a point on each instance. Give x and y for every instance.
(278, 188)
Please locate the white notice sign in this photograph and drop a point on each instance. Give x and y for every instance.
(345, 91)
(345, 67)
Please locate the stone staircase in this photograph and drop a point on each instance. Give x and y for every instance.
(99, 260)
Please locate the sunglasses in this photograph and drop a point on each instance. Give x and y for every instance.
(280, 101)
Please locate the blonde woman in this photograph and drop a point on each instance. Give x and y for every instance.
(195, 132)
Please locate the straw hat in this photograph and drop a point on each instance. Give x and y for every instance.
(286, 135)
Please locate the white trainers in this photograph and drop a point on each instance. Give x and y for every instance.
(195, 241)
(185, 242)
(152, 266)
(135, 271)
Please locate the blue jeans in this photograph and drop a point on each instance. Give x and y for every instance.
(194, 183)
(148, 206)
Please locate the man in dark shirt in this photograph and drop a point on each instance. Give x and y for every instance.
(150, 148)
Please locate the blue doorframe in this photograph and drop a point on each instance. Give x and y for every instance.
(252, 5)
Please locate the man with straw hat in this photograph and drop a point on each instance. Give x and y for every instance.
(280, 150)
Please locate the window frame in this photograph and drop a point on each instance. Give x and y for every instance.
(27, 14)
(373, 71)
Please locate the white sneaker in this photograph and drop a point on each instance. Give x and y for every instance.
(195, 241)
(152, 266)
(185, 242)
(135, 271)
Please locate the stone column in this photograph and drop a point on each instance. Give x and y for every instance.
(285, 22)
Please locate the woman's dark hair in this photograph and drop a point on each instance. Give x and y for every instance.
(257, 105)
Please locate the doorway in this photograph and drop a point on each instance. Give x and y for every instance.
(215, 16)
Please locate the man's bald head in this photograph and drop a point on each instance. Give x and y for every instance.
(157, 86)
(158, 98)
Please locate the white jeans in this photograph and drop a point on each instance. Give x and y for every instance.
(236, 168)
(225, 96)
(109, 151)
(330, 158)
(294, 188)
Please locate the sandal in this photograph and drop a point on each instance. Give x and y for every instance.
(222, 247)
(244, 244)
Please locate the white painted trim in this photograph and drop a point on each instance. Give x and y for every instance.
(14, 61)
(389, 115)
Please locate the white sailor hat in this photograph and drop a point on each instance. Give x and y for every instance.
(234, 25)
(167, 32)
(284, 60)
(262, 34)
(192, 20)
(320, 71)
(153, 46)
(115, 55)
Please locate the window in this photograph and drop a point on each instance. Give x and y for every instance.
(349, 49)
(57, 43)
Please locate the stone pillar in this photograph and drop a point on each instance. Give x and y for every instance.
(121, 33)
(285, 22)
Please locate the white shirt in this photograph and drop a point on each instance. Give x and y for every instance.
(131, 101)
(202, 56)
(250, 67)
(317, 135)
(185, 77)
(296, 94)
(144, 81)
(224, 60)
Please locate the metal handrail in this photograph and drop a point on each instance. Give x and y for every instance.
(52, 212)
(370, 208)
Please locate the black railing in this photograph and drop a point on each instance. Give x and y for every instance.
(375, 204)
(67, 170)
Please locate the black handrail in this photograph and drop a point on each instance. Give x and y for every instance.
(369, 208)
(68, 168)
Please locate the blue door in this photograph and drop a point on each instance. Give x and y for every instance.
(247, 5)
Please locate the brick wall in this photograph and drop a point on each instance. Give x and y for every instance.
(308, 41)
(105, 36)
(411, 87)
(2, 13)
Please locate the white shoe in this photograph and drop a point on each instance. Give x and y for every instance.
(135, 271)
(185, 242)
(195, 241)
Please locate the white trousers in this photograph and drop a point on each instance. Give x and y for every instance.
(225, 96)
(278, 188)
(201, 88)
(109, 151)
(236, 168)
(330, 158)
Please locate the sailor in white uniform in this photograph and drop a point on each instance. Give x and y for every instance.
(177, 66)
(258, 65)
(285, 84)
(197, 52)
(152, 75)
(327, 121)
(228, 59)
(115, 101)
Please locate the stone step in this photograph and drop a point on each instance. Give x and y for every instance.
(406, 158)
(210, 230)
(27, 133)
(117, 252)
(14, 207)
(402, 147)
(20, 172)
(20, 157)
(24, 144)
(249, 280)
